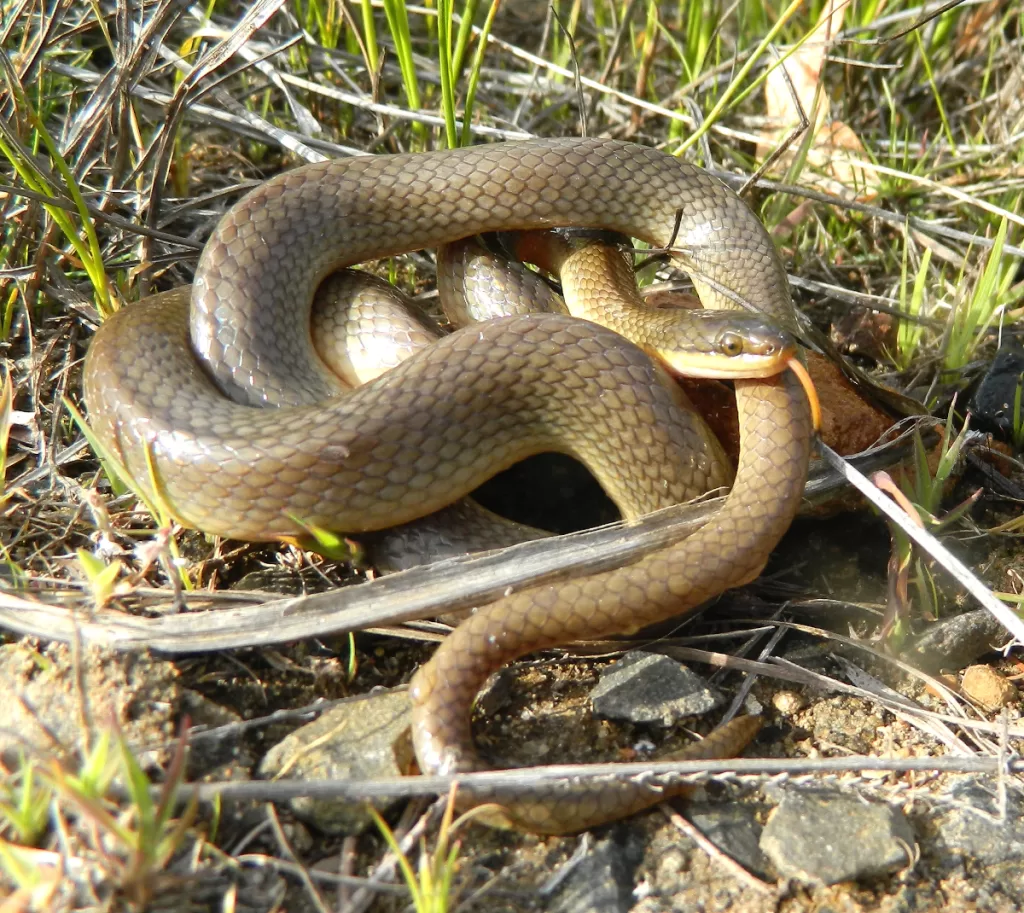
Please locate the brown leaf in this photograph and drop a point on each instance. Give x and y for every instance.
(834, 147)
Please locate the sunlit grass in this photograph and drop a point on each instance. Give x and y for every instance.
(126, 836)
(431, 882)
(6, 420)
(909, 331)
(398, 26)
(473, 78)
(737, 87)
(936, 94)
(21, 158)
(447, 70)
(977, 309)
(323, 18)
(922, 491)
(155, 499)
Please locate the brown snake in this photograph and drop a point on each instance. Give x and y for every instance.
(438, 425)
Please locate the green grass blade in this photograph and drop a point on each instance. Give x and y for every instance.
(474, 74)
(87, 248)
(446, 71)
(975, 313)
(370, 34)
(732, 89)
(398, 25)
(469, 11)
(927, 64)
(909, 333)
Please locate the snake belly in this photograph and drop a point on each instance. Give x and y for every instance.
(170, 386)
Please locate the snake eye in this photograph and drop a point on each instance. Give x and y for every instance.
(731, 344)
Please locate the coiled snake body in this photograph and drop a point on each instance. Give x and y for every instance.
(173, 401)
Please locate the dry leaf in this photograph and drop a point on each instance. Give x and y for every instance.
(974, 30)
(835, 148)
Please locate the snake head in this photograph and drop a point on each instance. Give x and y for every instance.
(724, 345)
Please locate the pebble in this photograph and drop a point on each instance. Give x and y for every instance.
(972, 827)
(788, 703)
(825, 836)
(360, 740)
(955, 642)
(735, 830)
(600, 879)
(986, 687)
(652, 688)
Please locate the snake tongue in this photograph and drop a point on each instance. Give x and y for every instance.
(797, 367)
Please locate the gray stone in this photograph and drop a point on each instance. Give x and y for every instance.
(972, 827)
(216, 752)
(825, 836)
(361, 740)
(651, 688)
(735, 830)
(955, 642)
(600, 880)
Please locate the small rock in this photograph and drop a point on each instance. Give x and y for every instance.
(824, 837)
(788, 702)
(601, 880)
(300, 840)
(651, 688)
(215, 752)
(955, 642)
(992, 405)
(361, 740)
(735, 830)
(974, 828)
(983, 685)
